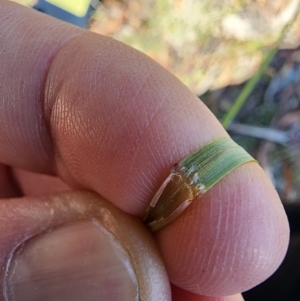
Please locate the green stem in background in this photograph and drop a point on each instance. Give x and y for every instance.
(249, 87)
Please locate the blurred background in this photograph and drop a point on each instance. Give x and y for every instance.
(242, 58)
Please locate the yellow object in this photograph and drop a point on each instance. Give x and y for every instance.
(76, 7)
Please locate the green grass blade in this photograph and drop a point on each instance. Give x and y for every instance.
(249, 87)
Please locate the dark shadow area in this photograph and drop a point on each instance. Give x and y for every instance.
(284, 285)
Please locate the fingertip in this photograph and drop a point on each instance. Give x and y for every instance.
(231, 239)
(53, 247)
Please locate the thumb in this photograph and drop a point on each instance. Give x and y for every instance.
(76, 246)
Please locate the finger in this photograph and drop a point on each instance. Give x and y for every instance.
(8, 186)
(179, 294)
(235, 235)
(34, 184)
(127, 122)
(76, 246)
(115, 122)
(22, 97)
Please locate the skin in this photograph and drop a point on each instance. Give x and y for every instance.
(95, 114)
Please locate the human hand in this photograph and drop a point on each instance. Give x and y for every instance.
(101, 116)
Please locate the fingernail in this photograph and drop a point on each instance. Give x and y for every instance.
(78, 261)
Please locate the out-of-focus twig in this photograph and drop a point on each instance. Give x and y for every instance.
(269, 134)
